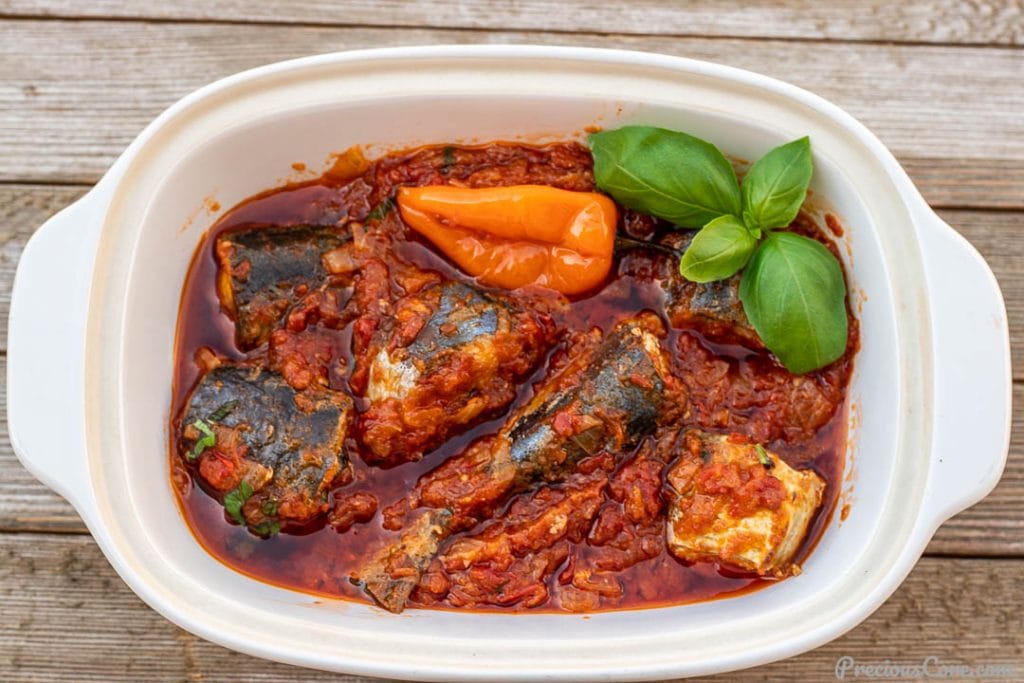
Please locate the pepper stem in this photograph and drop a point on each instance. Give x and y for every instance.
(626, 243)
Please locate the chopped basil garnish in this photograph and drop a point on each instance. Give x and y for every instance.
(762, 456)
(449, 160)
(235, 499)
(267, 529)
(207, 440)
(382, 209)
(223, 411)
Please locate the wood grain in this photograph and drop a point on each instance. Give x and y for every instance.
(998, 237)
(968, 183)
(71, 101)
(23, 209)
(940, 21)
(68, 617)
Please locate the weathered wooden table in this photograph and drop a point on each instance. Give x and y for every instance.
(942, 83)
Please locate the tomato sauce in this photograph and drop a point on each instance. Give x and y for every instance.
(732, 388)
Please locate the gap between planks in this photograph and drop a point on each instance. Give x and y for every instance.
(803, 40)
(915, 22)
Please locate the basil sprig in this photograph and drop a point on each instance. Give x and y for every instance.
(792, 288)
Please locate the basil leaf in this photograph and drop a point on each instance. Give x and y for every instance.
(718, 251)
(664, 173)
(207, 440)
(763, 457)
(794, 295)
(235, 499)
(775, 187)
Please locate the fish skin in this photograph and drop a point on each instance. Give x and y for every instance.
(264, 270)
(713, 308)
(295, 439)
(605, 388)
(451, 356)
(616, 388)
(475, 314)
(475, 317)
(391, 578)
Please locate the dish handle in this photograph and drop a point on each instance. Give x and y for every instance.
(46, 360)
(973, 382)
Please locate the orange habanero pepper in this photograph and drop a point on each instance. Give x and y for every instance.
(517, 236)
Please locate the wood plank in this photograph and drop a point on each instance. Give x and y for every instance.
(68, 617)
(941, 21)
(994, 527)
(23, 209)
(968, 183)
(998, 237)
(24, 502)
(70, 106)
(1001, 514)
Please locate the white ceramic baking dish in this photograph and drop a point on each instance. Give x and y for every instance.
(97, 292)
